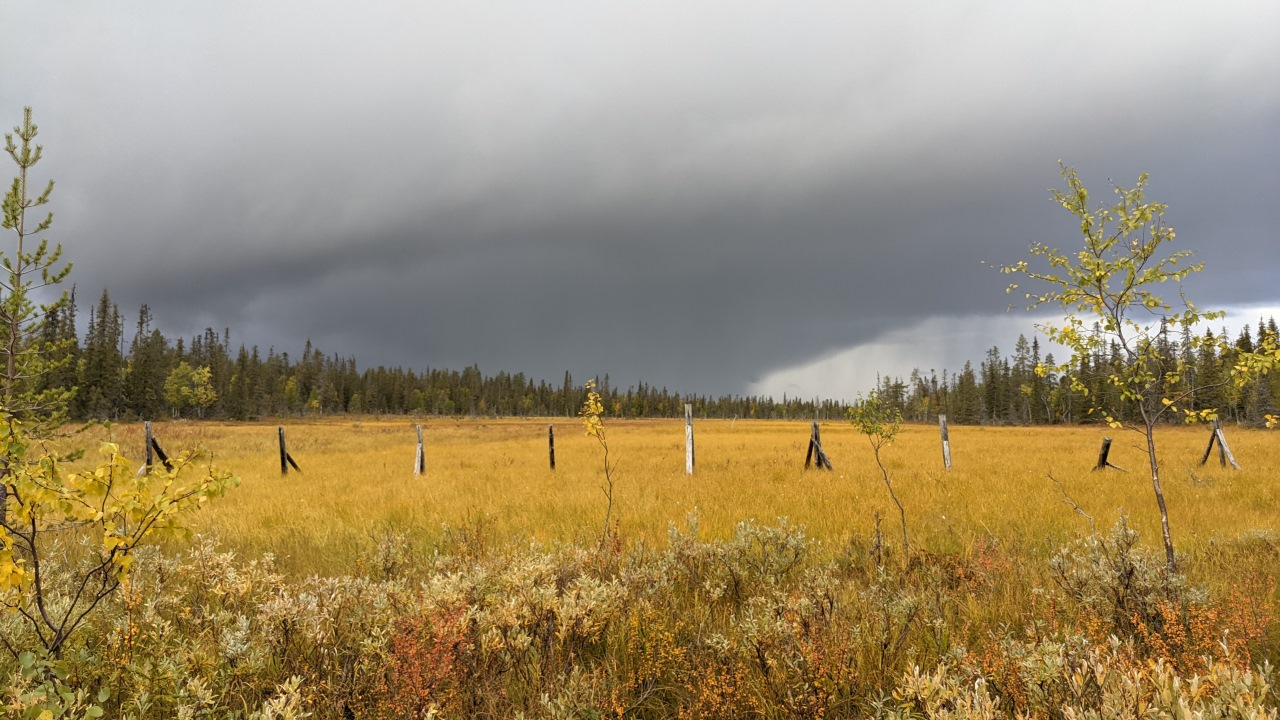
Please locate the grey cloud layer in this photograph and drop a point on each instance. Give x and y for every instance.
(690, 196)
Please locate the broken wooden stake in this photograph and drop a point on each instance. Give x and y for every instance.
(551, 445)
(1103, 463)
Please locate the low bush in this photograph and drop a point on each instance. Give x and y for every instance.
(765, 623)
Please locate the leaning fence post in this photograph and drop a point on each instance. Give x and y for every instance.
(688, 439)
(946, 441)
(808, 454)
(815, 450)
(1213, 437)
(1224, 452)
(551, 445)
(150, 452)
(420, 460)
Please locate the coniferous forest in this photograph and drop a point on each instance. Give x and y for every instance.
(143, 374)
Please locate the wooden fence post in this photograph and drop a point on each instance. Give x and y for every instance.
(284, 454)
(150, 452)
(551, 445)
(286, 460)
(946, 441)
(153, 450)
(815, 450)
(688, 439)
(1213, 437)
(1224, 452)
(420, 460)
(1103, 453)
(1103, 462)
(808, 454)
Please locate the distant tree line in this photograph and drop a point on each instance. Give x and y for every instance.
(146, 375)
(1007, 390)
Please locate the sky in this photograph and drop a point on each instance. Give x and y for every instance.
(716, 197)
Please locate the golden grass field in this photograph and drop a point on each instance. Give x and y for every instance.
(357, 482)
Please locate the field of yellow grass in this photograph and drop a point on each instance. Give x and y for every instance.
(492, 477)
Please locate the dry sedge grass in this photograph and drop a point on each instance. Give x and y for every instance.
(492, 475)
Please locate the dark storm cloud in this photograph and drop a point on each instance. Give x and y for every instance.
(689, 195)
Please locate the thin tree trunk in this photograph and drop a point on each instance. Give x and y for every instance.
(902, 512)
(1149, 427)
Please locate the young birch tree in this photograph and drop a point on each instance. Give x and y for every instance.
(880, 422)
(1107, 289)
(592, 409)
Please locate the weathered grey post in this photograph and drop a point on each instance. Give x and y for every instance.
(1224, 452)
(823, 460)
(688, 439)
(946, 441)
(150, 452)
(284, 454)
(551, 445)
(420, 461)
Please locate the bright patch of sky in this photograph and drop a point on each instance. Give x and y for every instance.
(935, 344)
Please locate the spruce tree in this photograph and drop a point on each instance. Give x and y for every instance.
(31, 343)
(147, 367)
(32, 348)
(102, 362)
